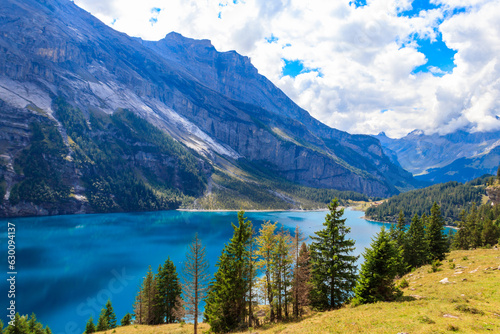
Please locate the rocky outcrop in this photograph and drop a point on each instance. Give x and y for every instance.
(493, 193)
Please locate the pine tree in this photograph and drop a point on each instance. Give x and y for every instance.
(436, 239)
(416, 252)
(333, 269)
(195, 279)
(490, 233)
(462, 237)
(126, 320)
(47, 330)
(110, 315)
(283, 273)
(90, 327)
(376, 278)
(102, 323)
(226, 302)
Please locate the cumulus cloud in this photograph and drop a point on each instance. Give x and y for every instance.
(365, 56)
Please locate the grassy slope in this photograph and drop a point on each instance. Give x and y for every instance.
(426, 306)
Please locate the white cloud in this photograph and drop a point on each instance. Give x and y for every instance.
(365, 55)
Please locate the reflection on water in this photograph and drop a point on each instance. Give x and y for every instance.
(68, 266)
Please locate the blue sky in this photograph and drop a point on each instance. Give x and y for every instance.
(363, 66)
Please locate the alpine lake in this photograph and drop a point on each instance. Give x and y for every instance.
(67, 267)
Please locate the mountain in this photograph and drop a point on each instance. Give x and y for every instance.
(458, 156)
(94, 120)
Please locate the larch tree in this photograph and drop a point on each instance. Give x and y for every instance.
(266, 250)
(301, 281)
(196, 277)
(333, 267)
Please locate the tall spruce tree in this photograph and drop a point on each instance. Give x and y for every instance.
(436, 239)
(110, 315)
(102, 322)
(196, 278)
(169, 290)
(416, 252)
(376, 278)
(333, 268)
(225, 308)
(296, 250)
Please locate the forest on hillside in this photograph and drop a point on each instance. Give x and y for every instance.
(452, 197)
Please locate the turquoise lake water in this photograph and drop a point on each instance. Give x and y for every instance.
(68, 266)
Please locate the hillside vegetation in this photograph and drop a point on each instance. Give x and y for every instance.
(452, 197)
(469, 303)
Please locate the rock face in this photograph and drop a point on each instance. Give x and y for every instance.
(493, 193)
(458, 156)
(214, 103)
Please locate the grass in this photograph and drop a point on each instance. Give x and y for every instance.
(470, 303)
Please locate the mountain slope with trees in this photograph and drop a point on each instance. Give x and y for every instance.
(452, 197)
(78, 79)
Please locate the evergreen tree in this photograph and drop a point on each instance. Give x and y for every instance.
(20, 326)
(283, 273)
(416, 252)
(110, 315)
(47, 330)
(436, 239)
(169, 290)
(90, 327)
(490, 233)
(376, 278)
(333, 269)
(225, 307)
(462, 236)
(126, 320)
(102, 323)
(195, 279)
(34, 326)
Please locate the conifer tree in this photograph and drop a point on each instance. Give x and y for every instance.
(416, 252)
(102, 322)
(283, 273)
(169, 291)
(376, 278)
(34, 326)
(226, 303)
(126, 320)
(110, 315)
(20, 326)
(90, 327)
(195, 279)
(266, 249)
(333, 268)
(47, 330)
(296, 248)
(462, 237)
(301, 281)
(436, 239)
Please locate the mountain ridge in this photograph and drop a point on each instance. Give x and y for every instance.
(53, 50)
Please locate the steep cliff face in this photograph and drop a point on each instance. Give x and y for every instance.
(213, 103)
